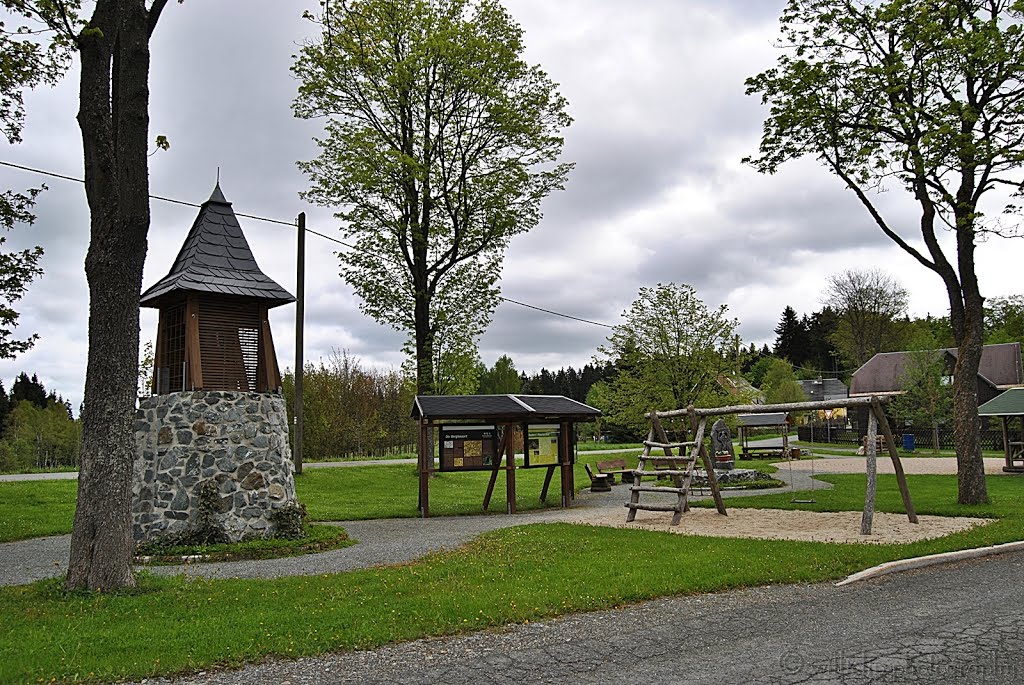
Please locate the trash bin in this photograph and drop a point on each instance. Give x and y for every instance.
(908, 442)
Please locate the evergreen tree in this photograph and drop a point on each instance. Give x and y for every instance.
(28, 390)
(791, 338)
(822, 351)
(5, 408)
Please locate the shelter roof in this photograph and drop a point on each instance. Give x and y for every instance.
(216, 258)
(759, 420)
(531, 408)
(1010, 403)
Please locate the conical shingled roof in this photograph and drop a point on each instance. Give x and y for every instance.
(216, 258)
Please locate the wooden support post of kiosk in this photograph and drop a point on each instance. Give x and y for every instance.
(422, 454)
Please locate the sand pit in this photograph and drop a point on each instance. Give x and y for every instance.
(911, 465)
(778, 524)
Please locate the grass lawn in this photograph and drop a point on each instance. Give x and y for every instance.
(37, 508)
(513, 575)
(31, 509)
(588, 446)
(319, 538)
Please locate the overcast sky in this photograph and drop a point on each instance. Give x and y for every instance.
(658, 193)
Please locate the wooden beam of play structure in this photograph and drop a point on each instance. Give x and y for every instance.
(773, 408)
(876, 421)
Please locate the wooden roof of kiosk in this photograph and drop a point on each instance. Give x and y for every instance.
(505, 412)
(214, 333)
(1008, 406)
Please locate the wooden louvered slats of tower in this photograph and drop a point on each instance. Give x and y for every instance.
(229, 343)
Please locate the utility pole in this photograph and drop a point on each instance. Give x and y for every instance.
(300, 301)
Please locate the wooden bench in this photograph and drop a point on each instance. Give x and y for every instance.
(613, 467)
(598, 481)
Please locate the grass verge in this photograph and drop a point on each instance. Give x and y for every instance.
(512, 575)
(319, 538)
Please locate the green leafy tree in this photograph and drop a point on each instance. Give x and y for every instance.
(780, 384)
(927, 392)
(440, 144)
(500, 379)
(758, 369)
(29, 57)
(1004, 319)
(352, 411)
(42, 437)
(113, 116)
(456, 362)
(668, 353)
(925, 96)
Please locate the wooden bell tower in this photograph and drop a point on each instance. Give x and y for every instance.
(214, 332)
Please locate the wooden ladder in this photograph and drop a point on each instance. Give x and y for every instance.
(680, 470)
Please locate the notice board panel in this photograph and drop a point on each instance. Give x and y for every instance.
(541, 445)
(468, 448)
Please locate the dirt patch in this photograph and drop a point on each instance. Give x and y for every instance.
(779, 524)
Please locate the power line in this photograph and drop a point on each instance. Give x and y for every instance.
(255, 217)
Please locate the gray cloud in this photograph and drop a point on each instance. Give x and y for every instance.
(661, 122)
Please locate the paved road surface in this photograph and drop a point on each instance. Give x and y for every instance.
(945, 624)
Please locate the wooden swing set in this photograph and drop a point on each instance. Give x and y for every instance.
(680, 467)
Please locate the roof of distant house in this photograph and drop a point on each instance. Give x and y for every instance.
(216, 258)
(1000, 367)
(821, 389)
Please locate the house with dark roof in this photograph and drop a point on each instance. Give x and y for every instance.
(822, 389)
(1000, 370)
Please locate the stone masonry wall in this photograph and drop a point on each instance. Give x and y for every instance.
(237, 439)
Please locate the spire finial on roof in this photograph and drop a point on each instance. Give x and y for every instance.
(217, 195)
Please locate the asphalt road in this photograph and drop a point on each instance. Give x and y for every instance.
(947, 624)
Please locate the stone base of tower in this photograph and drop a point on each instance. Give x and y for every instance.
(237, 440)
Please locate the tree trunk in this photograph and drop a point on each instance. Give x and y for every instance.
(970, 467)
(114, 119)
(424, 346)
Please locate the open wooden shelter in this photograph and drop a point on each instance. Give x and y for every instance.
(477, 433)
(751, 424)
(214, 333)
(1009, 407)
